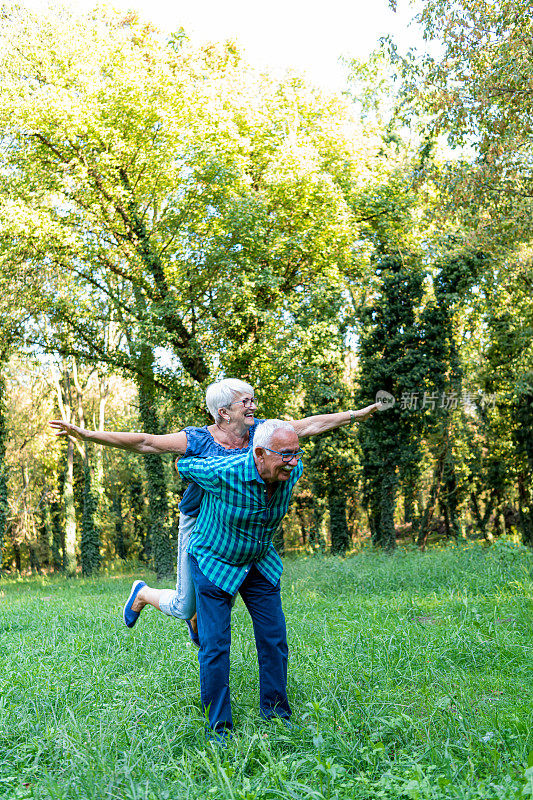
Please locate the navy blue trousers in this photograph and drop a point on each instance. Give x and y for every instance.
(213, 606)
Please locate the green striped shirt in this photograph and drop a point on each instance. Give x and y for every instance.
(236, 522)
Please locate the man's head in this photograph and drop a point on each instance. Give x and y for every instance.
(276, 450)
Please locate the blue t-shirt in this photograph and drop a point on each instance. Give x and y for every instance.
(200, 443)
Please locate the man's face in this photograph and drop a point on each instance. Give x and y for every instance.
(270, 465)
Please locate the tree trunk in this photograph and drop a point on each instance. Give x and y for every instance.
(410, 496)
(445, 513)
(101, 508)
(389, 484)
(3, 475)
(450, 497)
(69, 555)
(316, 537)
(525, 510)
(427, 516)
(35, 564)
(45, 538)
(157, 490)
(58, 536)
(90, 535)
(340, 537)
(18, 560)
(482, 520)
(140, 529)
(120, 546)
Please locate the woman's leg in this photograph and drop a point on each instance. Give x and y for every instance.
(181, 602)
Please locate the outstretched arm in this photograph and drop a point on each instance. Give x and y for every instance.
(320, 423)
(203, 471)
(134, 442)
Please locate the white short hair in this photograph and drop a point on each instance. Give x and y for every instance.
(222, 393)
(266, 430)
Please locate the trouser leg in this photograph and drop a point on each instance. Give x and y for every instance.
(263, 601)
(213, 607)
(181, 603)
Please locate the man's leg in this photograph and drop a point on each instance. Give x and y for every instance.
(263, 601)
(214, 630)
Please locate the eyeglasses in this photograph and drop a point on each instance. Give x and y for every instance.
(247, 402)
(286, 457)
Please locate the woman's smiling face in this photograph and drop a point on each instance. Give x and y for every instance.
(241, 409)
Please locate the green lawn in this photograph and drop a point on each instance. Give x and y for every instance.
(411, 676)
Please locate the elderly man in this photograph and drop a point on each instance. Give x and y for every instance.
(231, 550)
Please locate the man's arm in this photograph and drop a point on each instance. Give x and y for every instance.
(203, 471)
(320, 423)
(143, 443)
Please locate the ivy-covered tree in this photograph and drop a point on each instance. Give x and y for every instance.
(506, 374)
(3, 475)
(391, 359)
(322, 321)
(90, 536)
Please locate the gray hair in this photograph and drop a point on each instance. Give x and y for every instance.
(222, 393)
(266, 430)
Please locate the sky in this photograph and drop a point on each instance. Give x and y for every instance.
(304, 35)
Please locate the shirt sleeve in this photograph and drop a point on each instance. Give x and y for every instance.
(202, 471)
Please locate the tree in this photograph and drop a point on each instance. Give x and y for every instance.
(322, 323)
(391, 359)
(3, 476)
(172, 191)
(478, 94)
(90, 538)
(177, 194)
(506, 374)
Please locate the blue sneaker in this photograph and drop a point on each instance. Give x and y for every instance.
(192, 635)
(130, 617)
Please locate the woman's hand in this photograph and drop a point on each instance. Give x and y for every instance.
(66, 429)
(365, 413)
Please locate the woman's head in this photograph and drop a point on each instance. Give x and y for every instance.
(223, 393)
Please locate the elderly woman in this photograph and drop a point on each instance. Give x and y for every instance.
(232, 405)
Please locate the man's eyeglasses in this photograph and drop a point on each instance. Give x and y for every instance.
(247, 402)
(286, 457)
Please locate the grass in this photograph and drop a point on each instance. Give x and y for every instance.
(411, 676)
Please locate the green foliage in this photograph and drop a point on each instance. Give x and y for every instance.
(476, 93)
(509, 425)
(174, 192)
(171, 215)
(159, 533)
